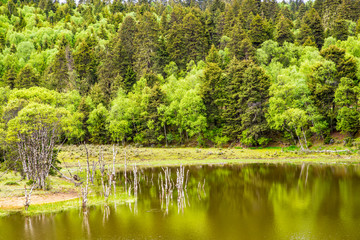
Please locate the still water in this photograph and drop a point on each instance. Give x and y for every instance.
(254, 201)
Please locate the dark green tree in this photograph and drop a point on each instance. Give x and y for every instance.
(283, 31)
(257, 31)
(340, 29)
(313, 20)
(27, 77)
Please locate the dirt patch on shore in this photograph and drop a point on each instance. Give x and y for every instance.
(18, 202)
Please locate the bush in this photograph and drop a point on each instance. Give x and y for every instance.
(11, 183)
(328, 140)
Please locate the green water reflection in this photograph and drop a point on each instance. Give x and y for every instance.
(255, 201)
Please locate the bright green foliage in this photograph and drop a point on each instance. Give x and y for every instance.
(97, 124)
(290, 107)
(143, 63)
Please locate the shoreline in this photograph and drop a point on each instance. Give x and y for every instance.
(63, 191)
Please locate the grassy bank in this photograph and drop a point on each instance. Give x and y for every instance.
(73, 156)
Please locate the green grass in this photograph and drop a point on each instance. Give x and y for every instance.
(74, 204)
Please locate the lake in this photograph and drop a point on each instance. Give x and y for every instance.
(251, 201)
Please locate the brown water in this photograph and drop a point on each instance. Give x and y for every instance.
(255, 201)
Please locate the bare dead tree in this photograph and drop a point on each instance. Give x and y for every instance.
(88, 162)
(135, 172)
(105, 186)
(113, 176)
(125, 170)
(85, 189)
(35, 150)
(28, 196)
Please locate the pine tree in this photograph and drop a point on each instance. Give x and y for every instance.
(175, 44)
(27, 77)
(283, 31)
(10, 77)
(127, 39)
(195, 41)
(249, 6)
(345, 66)
(340, 29)
(213, 93)
(119, 56)
(347, 10)
(85, 64)
(312, 19)
(318, 6)
(58, 75)
(147, 43)
(330, 13)
(213, 56)
(247, 96)
(305, 34)
(310, 42)
(153, 130)
(301, 12)
(257, 33)
(240, 44)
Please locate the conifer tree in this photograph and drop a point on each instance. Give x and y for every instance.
(27, 77)
(312, 19)
(283, 31)
(240, 44)
(318, 6)
(249, 6)
(330, 13)
(340, 29)
(347, 101)
(10, 77)
(257, 33)
(305, 34)
(247, 96)
(147, 43)
(58, 76)
(85, 64)
(213, 56)
(213, 94)
(175, 45)
(345, 66)
(195, 41)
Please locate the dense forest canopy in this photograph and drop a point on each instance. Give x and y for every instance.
(178, 72)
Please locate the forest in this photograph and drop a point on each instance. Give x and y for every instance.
(159, 73)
